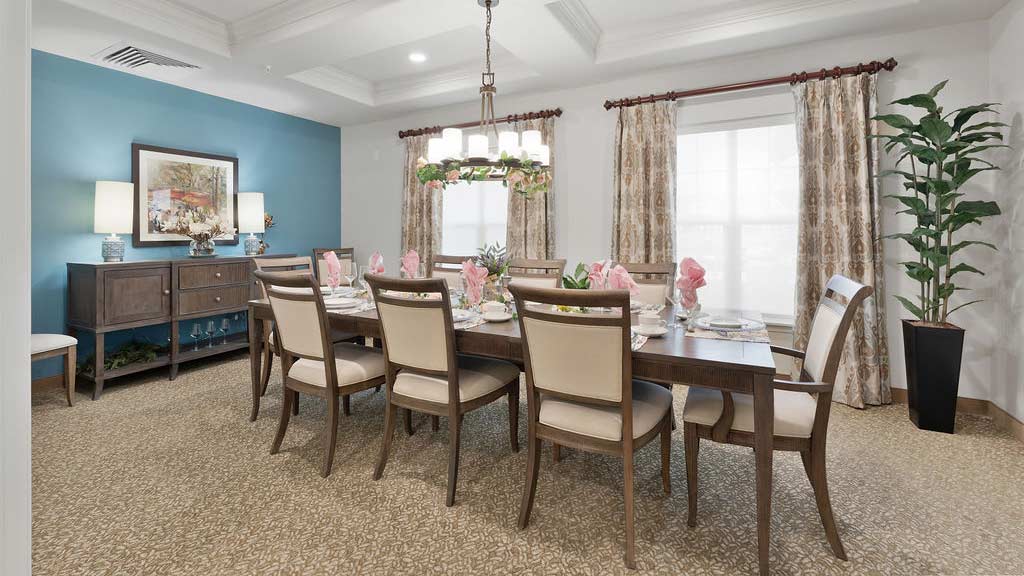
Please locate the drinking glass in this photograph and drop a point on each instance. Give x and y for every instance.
(225, 327)
(349, 273)
(674, 297)
(197, 334)
(210, 330)
(363, 271)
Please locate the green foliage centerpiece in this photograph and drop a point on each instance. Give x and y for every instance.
(519, 174)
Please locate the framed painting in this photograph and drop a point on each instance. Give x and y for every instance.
(178, 184)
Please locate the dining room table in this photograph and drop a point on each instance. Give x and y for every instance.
(678, 357)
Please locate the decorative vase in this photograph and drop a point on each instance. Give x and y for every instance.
(202, 248)
(491, 291)
(932, 353)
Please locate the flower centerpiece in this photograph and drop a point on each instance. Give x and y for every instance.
(494, 258)
(202, 229)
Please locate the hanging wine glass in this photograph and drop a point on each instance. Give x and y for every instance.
(197, 333)
(225, 327)
(210, 330)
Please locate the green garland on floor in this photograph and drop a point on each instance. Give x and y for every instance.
(130, 353)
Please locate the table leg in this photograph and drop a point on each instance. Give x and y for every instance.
(764, 421)
(98, 369)
(255, 340)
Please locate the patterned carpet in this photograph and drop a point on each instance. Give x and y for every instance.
(169, 478)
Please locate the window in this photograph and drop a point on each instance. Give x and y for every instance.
(736, 213)
(474, 214)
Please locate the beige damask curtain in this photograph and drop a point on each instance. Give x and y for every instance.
(531, 221)
(840, 225)
(421, 207)
(643, 221)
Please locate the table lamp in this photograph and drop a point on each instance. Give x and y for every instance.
(112, 215)
(250, 219)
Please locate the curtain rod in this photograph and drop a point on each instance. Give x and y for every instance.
(503, 120)
(871, 68)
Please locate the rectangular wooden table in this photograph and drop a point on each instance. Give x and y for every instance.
(742, 367)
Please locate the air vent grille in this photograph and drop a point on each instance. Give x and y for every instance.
(132, 57)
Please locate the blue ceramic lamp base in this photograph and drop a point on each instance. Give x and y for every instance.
(113, 249)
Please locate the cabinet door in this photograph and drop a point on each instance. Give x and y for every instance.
(136, 295)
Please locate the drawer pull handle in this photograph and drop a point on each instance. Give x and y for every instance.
(217, 299)
(166, 292)
(216, 275)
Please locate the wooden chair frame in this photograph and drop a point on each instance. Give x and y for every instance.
(812, 450)
(383, 289)
(664, 274)
(342, 254)
(538, 432)
(292, 387)
(529, 268)
(70, 354)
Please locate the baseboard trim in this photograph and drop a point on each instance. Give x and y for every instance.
(1001, 418)
(48, 382)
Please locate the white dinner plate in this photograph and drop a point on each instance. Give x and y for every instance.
(650, 331)
(341, 302)
(728, 324)
(340, 290)
(497, 316)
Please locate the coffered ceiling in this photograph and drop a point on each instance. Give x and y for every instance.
(348, 61)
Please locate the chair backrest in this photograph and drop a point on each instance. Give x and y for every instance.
(416, 325)
(300, 318)
(832, 319)
(586, 357)
(654, 280)
(449, 268)
(345, 255)
(536, 273)
(291, 266)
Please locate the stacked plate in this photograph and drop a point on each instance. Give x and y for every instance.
(341, 303)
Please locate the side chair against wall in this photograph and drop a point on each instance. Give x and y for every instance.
(424, 374)
(538, 273)
(345, 255)
(311, 362)
(801, 408)
(655, 281)
(580, 389)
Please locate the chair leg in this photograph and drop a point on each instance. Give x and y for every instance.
(346, 409)
(691, 443)
(389, 432)
(814, 463)
(70, 365)
(435, 423)
(530, 488)
(282, 426)
(377, 389)
(513, 416)
(332, 435)
(295, 405)
(268, 363)
(627, 468)
(408, 422)
(556, 453)
(454, 436)
(666, 456)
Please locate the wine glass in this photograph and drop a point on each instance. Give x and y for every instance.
(349, 273)
(225, 327)
(210, 330)
(363, 271)
(674, 296)
(196, 334)
(332, 282)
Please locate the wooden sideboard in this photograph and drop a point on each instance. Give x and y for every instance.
(105, 297)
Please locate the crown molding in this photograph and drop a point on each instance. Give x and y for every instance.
(679, 30)
(166, 19)
(577, 20)
(336, 81)
(295, 17)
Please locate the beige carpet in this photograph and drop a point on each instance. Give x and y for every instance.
(169, 478)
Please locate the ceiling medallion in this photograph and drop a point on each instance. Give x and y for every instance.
(522, 166)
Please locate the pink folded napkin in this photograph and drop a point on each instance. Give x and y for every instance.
(333, 269)
(619, 279)
(474, 276)
(599, 274)
(376, 264)
(691, 277)
(411, 263)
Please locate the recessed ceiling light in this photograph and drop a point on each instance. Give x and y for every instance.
(417, 57)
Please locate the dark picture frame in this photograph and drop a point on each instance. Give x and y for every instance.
(142, 154)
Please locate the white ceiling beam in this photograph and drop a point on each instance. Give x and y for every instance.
(578, 22)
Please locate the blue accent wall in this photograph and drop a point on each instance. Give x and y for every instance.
(84, 121)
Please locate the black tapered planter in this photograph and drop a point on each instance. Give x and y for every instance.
(932, 353)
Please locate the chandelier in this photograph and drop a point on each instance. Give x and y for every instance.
(524, 165)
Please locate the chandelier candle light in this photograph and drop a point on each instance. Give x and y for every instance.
(522, 166)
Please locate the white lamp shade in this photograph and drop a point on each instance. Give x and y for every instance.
(452, 142)
(435, 150)
(112, 213)
(250, 212)
(478, 145)
(531, 141)
(508, 143)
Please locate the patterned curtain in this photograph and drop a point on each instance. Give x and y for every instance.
(643, 222)
(531, 221)
(421, 208)
(840, 225)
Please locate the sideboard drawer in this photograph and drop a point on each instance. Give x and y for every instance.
(136, 295)
(212, 299)
(208, 275)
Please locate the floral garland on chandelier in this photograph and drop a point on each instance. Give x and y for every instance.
(521, 175)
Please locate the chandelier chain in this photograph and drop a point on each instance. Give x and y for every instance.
(487, 35)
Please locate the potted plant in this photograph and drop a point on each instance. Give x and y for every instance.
(937, 154)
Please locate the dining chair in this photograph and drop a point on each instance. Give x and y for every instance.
(311, 363)
(43, 346)
(580, 389)
(295, 266)
(424, 374)
(449, 268)
(345, 255)
(801, 407)
(654, 280)
(538, 273)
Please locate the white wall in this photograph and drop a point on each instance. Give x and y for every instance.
(1007, 87)
(372, 154)
(15, 415)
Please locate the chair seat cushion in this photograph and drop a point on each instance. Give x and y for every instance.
(794, 411)
(650, 404)
(477, 377)
(354, 364)
(48, 342)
